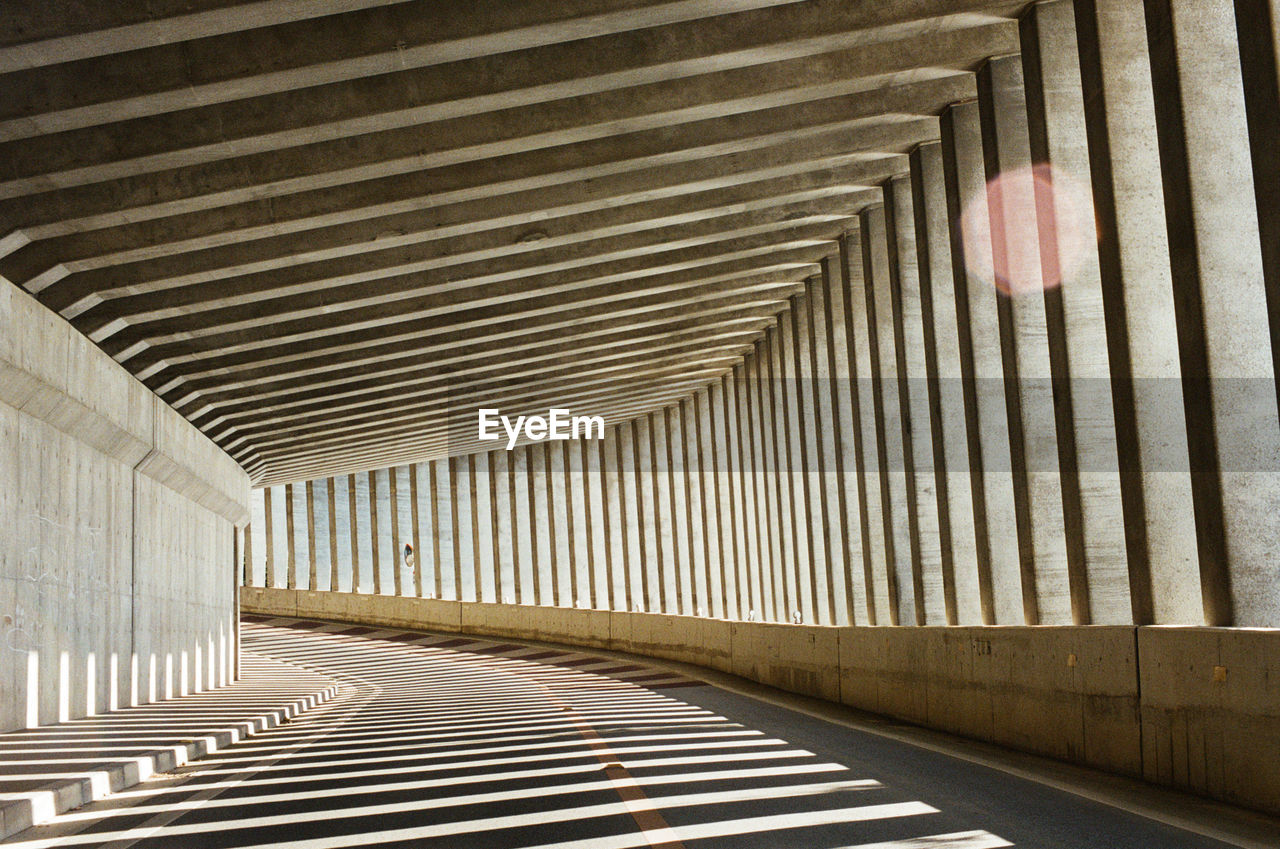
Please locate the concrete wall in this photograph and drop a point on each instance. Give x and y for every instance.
(116, 558)
(1193, 708)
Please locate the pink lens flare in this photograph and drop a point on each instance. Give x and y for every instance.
(1030, 231)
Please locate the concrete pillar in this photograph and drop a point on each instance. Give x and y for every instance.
(809, 423)
(1224, 335)
(564, 578)
(393, 526)
(247, 565)
(578, 523)
(664, 514)
(795, 478)
(375, 532)
(268, 533)
(1078, 338)
(724, 493)
(646, 501)
(311, 535)
(767, 509)
(956, 489)
(894, 498)
(844, 473)
(446, 520)
(826, 470)
(1038, 496)
(677, 479)
(737, 395)
(1133, 253)
(503, 551)
(290, 523)
(780, 446)
(615, 522)
(597, 522)
(862, 392)
(693, 490)
(353, 496)
(757, 482)
(629, 462)
(1258, 30)
(917, 414)
(982, 360)
(416, 515)
(711, 503)
(523, 527)
(543, 524)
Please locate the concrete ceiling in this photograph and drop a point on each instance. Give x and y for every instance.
(326, 231)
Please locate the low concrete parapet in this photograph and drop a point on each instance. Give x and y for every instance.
(1193, 708)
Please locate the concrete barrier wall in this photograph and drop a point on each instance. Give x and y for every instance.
(1193, 708)
(117, 552)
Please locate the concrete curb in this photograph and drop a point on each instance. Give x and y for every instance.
(20, 811)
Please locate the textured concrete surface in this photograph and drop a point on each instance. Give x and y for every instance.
(116, 585)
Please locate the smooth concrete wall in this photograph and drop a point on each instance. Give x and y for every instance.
(119, 517)
(1193, 708)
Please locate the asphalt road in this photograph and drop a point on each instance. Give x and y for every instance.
(450, 742)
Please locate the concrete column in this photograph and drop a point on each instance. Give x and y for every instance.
(825, 430)
(955, 487)
(664, 512)
(1224, 335)
(757, 483)
(615, 522)
(845, 475)
(597, 523)
(646, 500)
(793, 434)
(894, 498)
(1038, 496)
(329, 511)
(1133, 253)
(564, 577)
(711, 503)
(523, 526)
(766, 477)
(290, 524)
(1258, 30)
(876, 542)
(504, 550)
(375, 532)
(743, 460)
(677, 480)
(693, 489)
(543, 525)
(311, 535)
(446, 520)
(982, 362)
(393, 511)
(578, 522)
(247, 565)
(268, 533)
(1078, 338)
(632, 514)
(913, 394)
(724, 494)
(775, 418)
(807, 424)
(420, 558)
(353, 517)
